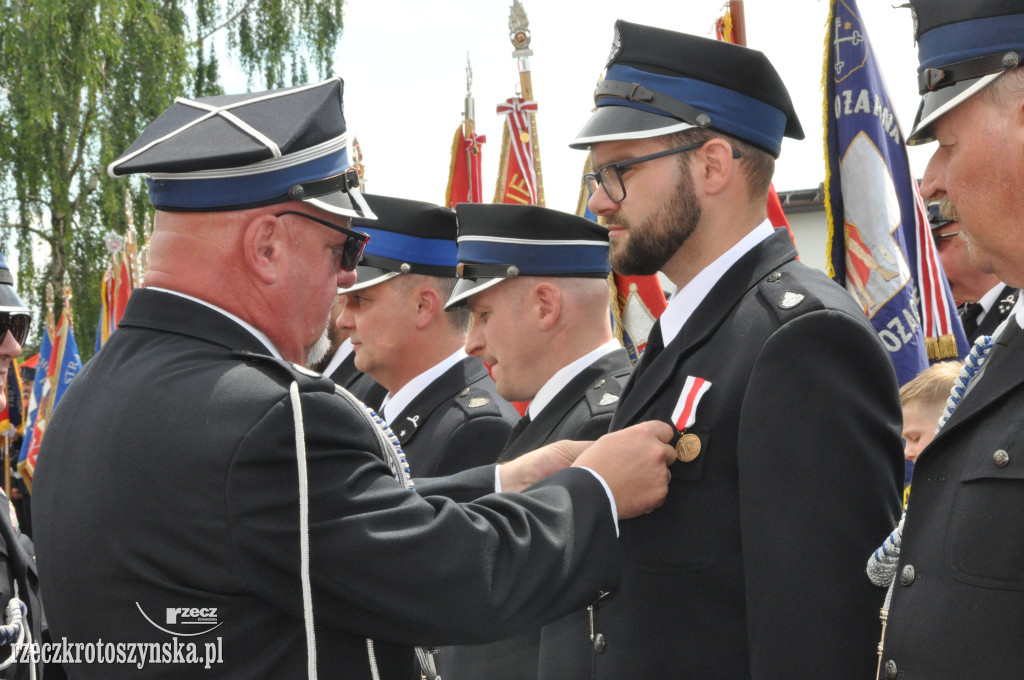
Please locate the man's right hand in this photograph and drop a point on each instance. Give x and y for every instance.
(634, 463)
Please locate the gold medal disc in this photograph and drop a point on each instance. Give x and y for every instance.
(688, 447)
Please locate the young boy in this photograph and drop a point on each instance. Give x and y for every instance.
(923, 400)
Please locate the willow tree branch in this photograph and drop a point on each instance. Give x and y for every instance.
(226, 22)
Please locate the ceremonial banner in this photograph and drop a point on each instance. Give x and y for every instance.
(464, 176)
(36, 398)
(116, 287)
(880, 246)
(63, 366)
(517, 174)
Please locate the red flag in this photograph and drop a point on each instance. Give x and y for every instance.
(517, 178)
(464, 176)
(115, 290)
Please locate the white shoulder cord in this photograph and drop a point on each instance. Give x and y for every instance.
(392, 450)
(16, 631)
(307, 591)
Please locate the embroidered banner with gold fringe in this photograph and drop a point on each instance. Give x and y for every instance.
(880, 246)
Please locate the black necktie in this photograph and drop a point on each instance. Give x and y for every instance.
(518, 429)
(969, 317)
(655, 344)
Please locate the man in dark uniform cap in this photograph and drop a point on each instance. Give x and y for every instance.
(783, 398)
(265, 510)
(959, 590)
(536, 282)
(984, 301)
(440, 402)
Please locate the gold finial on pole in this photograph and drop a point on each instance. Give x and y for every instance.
(66, 291)
(49, 300)
(519, 34)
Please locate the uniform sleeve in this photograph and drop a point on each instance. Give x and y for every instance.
(391, 564)
(819, 458)
(594, 428)
(476, 442)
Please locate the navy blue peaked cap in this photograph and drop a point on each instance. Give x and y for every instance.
(499, 241)
(659, 82)
(232, 152)
(407, 237)
(10, 303)
(962, 47)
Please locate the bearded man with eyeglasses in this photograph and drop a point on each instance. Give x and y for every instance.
(783, 399)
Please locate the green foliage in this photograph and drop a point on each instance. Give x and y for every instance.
(80, 79)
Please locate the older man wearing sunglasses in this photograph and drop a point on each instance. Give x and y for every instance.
(19, 581)
(265, 517)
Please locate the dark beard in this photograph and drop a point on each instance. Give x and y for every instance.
(651, 245)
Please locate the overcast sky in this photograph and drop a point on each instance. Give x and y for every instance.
(403, 62)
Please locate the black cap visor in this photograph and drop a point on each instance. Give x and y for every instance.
(613, 123)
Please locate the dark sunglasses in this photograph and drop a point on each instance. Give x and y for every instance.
(18, 323)
(352, 249)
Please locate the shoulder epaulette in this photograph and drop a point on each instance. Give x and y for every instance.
(603, 394)
(788, 297)
(477, 402)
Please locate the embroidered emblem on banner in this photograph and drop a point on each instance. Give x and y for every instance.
(685, 412)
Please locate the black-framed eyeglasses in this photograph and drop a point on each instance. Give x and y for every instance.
(610, 176)
(18, 323)
(352, 249)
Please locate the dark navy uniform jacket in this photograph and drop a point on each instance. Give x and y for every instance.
(456, 423)
(182, 412)
(957, 603)
(754, 565)
(582, 410)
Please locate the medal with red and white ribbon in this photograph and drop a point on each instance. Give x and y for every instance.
(685, 414)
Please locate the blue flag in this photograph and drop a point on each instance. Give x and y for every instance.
(42, 369)
(880, 243)
(63, 365)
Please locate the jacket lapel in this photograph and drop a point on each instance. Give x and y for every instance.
(541, 430)
(712, 311)
(450, 383)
